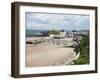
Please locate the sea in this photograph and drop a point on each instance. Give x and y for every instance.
(33, 33)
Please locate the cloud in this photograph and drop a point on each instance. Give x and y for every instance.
(57, 21)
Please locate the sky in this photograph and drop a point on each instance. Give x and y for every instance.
(45, 21)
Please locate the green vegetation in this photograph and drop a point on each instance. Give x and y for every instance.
(53, 31)
(84, 52)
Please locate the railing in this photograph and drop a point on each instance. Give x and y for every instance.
(71, 61)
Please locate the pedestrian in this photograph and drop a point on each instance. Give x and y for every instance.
(77, 48)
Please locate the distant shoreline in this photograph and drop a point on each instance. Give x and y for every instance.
(38, 33)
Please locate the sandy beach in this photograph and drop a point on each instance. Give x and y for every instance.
(48, 54)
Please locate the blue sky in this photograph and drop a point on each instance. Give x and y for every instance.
(44, 21)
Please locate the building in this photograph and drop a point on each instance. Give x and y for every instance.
(79, 34)
(61, 34)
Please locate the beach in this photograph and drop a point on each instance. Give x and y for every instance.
(48, 54)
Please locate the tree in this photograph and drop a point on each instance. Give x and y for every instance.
(84, 52)
(53, 31)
